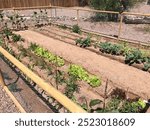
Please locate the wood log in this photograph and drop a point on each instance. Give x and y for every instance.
(137, 20)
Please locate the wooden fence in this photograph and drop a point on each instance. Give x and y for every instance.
(33, 3)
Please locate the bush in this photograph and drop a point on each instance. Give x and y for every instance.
(109, 48)
(112, 5)
(76, 29)
(84, 42)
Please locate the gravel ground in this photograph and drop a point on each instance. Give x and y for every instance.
(6, 104)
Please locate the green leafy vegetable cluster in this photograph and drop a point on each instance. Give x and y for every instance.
(131, 55)
(46, 54)
(81, 74)
(109, 48)
(84, 42)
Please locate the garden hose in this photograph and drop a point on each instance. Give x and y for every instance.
(18, 105)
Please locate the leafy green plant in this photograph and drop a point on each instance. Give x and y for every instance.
(81, 74)
(84, 42)
(147, 64)
(60, 78)
(1, 41)
(134, 56)
(46, 54)
(92, 105)
(109, 48)
(7, 33)
(78, 72)
(111, 5)
(71, 87)
(94, 81)
(76, 29)
(17, 38)
(134, 107)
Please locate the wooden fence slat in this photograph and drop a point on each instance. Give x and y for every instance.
(33, 3)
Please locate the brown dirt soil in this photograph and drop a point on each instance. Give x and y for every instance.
(123, 75)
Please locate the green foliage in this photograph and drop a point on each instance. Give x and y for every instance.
(81, 74)
(132, 107)
(111, 5)
(94, 102)
(60, 77)
(147, 64)
(84, 42)
(71, 87)
(94, 81)
(17, 38)
(78, 72)
(131, 55)
(46, 54)
(1, 41)
(113, 104)
(76, 29)
(114, 49)
(7, 33)
(134, 56)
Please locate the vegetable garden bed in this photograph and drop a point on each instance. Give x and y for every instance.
(73, 80)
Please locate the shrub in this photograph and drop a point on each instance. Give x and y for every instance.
(76, 29)
(112, 5)
(84, 42)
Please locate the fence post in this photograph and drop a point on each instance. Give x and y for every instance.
(120, 27)
(55, 12)
(77, 16)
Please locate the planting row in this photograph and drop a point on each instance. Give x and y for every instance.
(131, 55)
